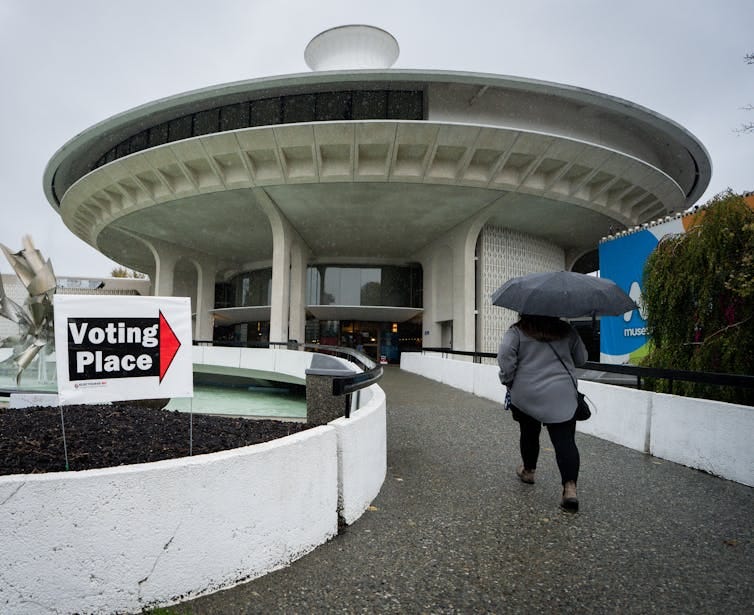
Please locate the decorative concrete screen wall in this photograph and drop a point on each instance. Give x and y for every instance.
(122, 539)
(707, 435)
(506, 254)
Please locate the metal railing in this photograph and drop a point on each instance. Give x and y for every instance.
(341, 385)
(671, 375)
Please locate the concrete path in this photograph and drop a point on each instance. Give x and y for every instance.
(454, 531)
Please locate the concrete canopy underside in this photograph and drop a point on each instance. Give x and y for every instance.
(359, 190)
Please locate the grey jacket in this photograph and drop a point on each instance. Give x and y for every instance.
(538, 383)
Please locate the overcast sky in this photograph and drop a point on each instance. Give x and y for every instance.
(68, 64)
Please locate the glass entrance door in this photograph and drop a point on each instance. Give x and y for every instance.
(362, 336)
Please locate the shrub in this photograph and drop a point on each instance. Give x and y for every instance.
(699, 294)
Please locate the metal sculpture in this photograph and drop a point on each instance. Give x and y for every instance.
(35, 317)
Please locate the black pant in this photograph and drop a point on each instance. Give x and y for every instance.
(563, 438)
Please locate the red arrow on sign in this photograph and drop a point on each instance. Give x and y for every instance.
(169, 345)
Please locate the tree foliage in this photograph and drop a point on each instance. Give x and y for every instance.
(699, 294)
(122, 272)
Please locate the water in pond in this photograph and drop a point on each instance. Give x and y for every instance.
(211, 399)
(274, 402)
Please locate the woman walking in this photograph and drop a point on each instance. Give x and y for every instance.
(537, 359)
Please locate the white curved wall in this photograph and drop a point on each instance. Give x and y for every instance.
(266, 363)
(362, 454)
(708, 435)
(122, 539)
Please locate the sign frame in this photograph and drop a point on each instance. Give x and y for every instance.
(119, 348)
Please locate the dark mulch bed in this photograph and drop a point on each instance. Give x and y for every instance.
(31, 439)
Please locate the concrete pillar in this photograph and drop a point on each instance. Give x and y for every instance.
(321, 405)
(288, 273)
(449, 270)
(431, 330)
(281, 281)
(166, 257)
(297, 313)
(464, 287)
(205, 299)
(449, 289)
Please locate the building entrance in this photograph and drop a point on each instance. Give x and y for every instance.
(377, 340)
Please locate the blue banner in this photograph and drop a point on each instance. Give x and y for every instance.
(623, 339)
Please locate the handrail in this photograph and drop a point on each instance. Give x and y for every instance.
(721, 379)
(341, 385)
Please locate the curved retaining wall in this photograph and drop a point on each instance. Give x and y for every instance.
(362, 455)
(707, 435)
(122, 539)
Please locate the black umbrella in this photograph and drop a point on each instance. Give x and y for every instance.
(564, 294)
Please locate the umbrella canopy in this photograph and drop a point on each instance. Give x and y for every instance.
(564, 294)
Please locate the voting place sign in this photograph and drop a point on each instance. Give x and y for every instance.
(114, 348)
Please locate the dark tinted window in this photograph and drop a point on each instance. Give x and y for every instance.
(207, 122)
(265, 112)
(140, 141)
(323, 106)
(299, 108)
(369, 105)
(158, 135)
(251, 288)
(332, 106)
(380, 286)
(233, 117)
(122, 149)
(180, 128)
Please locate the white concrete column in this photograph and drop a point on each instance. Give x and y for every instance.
(166, 257)
(205, 298)
(297, 314)
(285, 308)
(281, 283)
(431, 329)
(449, 289)
(450, 284)
(464, 287)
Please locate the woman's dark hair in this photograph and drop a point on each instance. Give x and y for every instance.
(543, 328)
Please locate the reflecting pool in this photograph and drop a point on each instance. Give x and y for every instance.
(209, 398)
(240, 401)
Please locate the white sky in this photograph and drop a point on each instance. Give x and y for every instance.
(68, 64)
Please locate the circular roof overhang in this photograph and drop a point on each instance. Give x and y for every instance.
(77, 156)
(400, 184)
(374, 189)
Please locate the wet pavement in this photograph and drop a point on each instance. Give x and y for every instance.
(454, 531)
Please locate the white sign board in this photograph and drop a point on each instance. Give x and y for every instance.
(113, 348)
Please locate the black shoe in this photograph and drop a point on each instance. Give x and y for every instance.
(570, 505)
(569, 502)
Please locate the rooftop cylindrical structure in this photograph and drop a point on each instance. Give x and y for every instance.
(351, 47)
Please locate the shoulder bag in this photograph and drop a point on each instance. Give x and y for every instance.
(582, 408)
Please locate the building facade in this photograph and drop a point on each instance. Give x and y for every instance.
(367, 206)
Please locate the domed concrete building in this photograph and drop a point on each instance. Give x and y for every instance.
(363, 205)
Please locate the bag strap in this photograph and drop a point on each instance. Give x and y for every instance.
(564, 365)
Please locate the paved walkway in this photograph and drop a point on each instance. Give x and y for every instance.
(454, 531)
